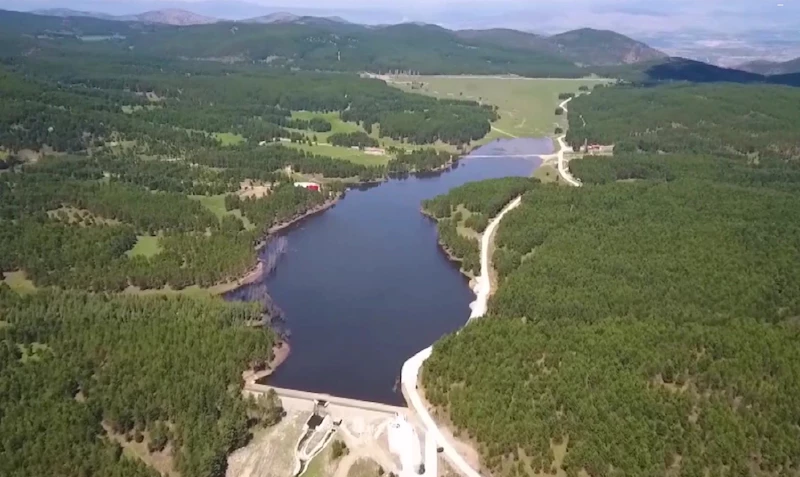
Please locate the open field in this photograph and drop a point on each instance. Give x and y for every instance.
(18, 282)
(547, 174)
(146, 246)
(345, 153)
(229, 139)
(527, 106)
(216, 204)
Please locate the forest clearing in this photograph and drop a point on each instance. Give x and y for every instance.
(526, 106)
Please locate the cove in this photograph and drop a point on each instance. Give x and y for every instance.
(364, 285)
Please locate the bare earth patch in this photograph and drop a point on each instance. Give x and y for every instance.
(256, 189)
(271, 452)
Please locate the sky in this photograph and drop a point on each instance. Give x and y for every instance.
(546, 16)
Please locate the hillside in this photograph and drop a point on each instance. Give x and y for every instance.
(426, 49)
(331, 43)
(584, 47)
(602, 47)
(176, 17)
(508, 38)
(764, 67)
(285, 17)
(318, 42)
(172, 17)
(67, 12)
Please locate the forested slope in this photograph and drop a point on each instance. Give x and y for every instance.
(722, 119)
(464, 213)
(646, 323)
(168, 370)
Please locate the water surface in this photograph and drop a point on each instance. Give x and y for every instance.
(364, 285)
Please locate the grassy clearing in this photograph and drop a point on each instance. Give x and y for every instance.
(216, 204)
(548, 174)
(345, 153)
(146, 246)
(229, 139)
(32, 352)
(3, 154)
(527, 106)
(19, 282)
(337, 125)
(320, 466)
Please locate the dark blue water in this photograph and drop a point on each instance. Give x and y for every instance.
(364, 285)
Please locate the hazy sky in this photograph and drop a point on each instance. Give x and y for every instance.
(537, 15)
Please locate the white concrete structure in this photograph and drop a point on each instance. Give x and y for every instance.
(404, 443)
(411, 368)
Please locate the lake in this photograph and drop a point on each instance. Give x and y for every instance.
(364, 285)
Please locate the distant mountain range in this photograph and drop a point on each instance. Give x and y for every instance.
(285, 18)
(333, 44)
(584, 47)
(174, 17)
(771, 68)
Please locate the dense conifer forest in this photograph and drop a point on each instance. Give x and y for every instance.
(77, 367)
(469, 208)
(646, 323)
(721, 119)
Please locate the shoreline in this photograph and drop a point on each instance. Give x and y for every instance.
(282, 349)
(449, 253)
(280, 353)
(256, 272)
(411, 370)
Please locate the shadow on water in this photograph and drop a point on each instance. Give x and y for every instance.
(364, 285)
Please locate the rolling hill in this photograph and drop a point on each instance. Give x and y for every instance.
(285, 17)
(769, 68)
(332, 44)
(584, 47)
(587, 46)
(175, 17)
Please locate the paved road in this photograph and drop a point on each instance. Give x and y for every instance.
(411, 368)
(562, 165)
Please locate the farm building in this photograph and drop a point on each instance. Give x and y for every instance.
(308, 185)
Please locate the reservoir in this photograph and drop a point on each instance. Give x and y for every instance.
(364, 285)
